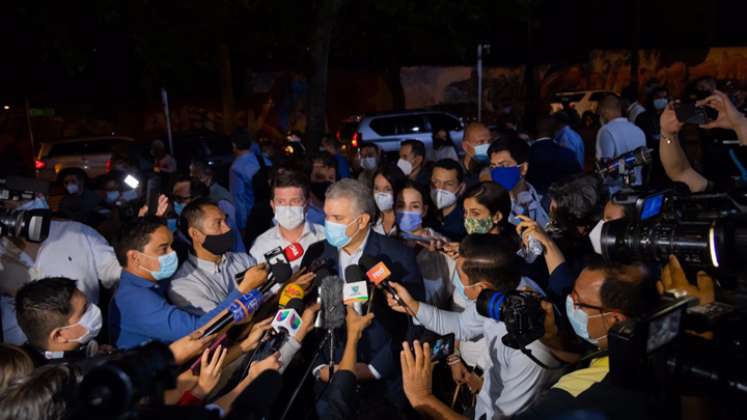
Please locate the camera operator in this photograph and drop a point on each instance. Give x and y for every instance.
(72, 250)
(139, 310)
(488, 262)
(673, 158)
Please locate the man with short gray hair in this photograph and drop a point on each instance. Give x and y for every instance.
(349, 209)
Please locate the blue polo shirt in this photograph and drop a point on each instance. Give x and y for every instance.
(139, 312)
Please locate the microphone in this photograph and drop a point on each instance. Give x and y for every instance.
(293, 251)
(332, 312)
(625, 162)
(242, 308)
(379, 275)
(355, 290)
(291, 291)
(287, 321)
(277, 255)
(280, 273)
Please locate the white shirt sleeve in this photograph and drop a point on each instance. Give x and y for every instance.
(465, 325)
(287, 351)
(105, 261)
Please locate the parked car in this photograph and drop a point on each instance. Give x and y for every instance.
(581, 101)
(388, 130)
(90, 156)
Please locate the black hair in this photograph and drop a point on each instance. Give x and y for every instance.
(451, 165)
(290, 178)
(135, 237)
(369, 144)
(491, 258)
(42, 306)
(417, 146)
(47, 394)
(421, 189)
(627, 288)
(242, 139)
(579, 202)
(202, 166)
(494, 197)
(516, 147)
(393, 174)
(439, 143)
(324, 157)
(192, 214)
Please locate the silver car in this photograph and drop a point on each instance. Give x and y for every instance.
(388, 130)
(90, 155)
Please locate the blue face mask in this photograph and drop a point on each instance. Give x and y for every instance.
(409, 220)
(506, 176)
(167, 266)
(580, 321)
(171, 224)
(481, 152)
(179, 208)
(336, 233)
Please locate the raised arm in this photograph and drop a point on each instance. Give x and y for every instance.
(672, 156)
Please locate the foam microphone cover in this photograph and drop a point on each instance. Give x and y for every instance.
(333, 309)
(281, 272)
(353, 273)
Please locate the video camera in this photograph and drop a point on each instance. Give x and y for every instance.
(519, 310)
(31, 225)
(702, 230)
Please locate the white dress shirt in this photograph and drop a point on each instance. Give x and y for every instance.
(312, 233)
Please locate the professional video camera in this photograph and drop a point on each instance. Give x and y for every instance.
(32, 225)
(520, 311)
(702, 230)
(655, 348)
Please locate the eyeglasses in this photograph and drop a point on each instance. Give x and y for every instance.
(574, 297)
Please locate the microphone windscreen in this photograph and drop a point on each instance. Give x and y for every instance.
(291, 291)
(281, 272)
(293, 251)
(353, 273)
(333, 309)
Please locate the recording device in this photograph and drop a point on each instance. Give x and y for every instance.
(114, 387)
(153, 191)
(624, 164)
(442, 347)
(520, 311)
(31, 225)
(241, 309)
(702, 230)
(689, 113)
(355, 290)
(332, 312)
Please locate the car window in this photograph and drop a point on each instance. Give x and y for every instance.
(598, 96)
(67, 149)
(412, 124)
(86, 148)
(384, 126)
(102, 147)
(575, 97)
(439, 121)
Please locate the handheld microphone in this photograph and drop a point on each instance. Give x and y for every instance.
(355, 290)
(379, 275)
(625, 162)
(291, 291)
(287, 321)
(242, 308)
(280, 273)
(293, 252)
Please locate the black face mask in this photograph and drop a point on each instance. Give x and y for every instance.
(319, 189)
(219, 244)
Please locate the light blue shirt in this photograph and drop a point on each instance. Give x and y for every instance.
(570, 139)
(529, 203)
(240, 178)
(618, 137)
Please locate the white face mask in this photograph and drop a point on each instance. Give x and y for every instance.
(91, 321)
(595, 236)
(443, 198)
(369, 163)
(289, 217)
(406, 166)
(384, 200)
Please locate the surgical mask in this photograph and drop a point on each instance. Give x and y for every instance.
(595, 236)
(129, 195)
(369, 163)
(405, 165)
(72, 188)
(384, 200)
(409, 220)
(38, 203)
(112, 196)
(481, 152)
(179, 208)
(91, 321)
(289, 217)
(580, 321)
(336, 233)
(458, 286)
(506, 176)
(167, 265)
(478, 225)
(660, 103)
(219, 244)
(443, 198)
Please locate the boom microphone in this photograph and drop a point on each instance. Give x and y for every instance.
(242, 308)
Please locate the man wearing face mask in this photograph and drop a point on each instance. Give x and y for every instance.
(603, 295)
(369, 160)
(290, 192)
(58, 321)
(207, 276)
(512, 380)
(79, 203)
(477, 139)
(139, 310)
(509, 162)
(412, 162)
(447, 185)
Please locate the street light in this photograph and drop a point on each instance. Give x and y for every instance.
(481, 48)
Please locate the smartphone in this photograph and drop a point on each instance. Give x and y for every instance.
(442, 347)
(688, 113)
(131, 181)
(195, 368)
(153, 191)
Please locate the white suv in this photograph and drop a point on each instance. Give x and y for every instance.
(91, 155)
(388, 130)
(581, 101)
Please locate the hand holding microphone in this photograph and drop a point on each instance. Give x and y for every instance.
(401, 300)
(379, 275)
(357, 323)
(255, 335)
(253, 278)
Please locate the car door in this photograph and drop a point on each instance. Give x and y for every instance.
(98, 154)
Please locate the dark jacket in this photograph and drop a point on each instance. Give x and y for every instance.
(550, 162)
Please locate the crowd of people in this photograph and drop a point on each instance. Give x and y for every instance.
(507, 210)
